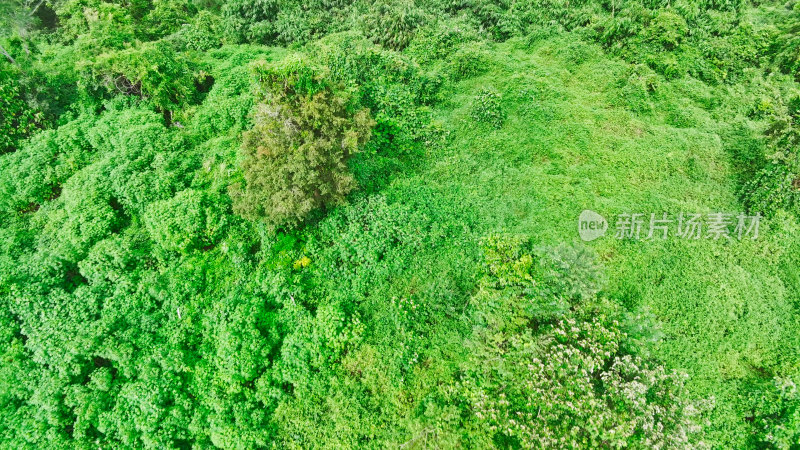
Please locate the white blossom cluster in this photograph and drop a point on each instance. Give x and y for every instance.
(578, 391)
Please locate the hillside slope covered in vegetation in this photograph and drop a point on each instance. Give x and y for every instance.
(337, 224)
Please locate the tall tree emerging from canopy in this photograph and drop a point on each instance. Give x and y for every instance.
(295, 157)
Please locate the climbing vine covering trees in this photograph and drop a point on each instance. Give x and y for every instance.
(351, 224)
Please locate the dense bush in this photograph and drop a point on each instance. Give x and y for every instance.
(165, 17)
(397, 92)
(202, 33)
(778, 422)
(775, 187)
(667, 29)
(187, 221)
(787, 54)
(578, 388)
(486, 108)
(295, 157)
(468, 61)
(152, 71)
(17, 119)
(43, 164)
(250, 20)
(775, 184)
(440, 39)
(392, 23)
(96, 24)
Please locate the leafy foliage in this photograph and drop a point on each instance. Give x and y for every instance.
(156, 157)
(787, 55)
(188, 220)
(152, 71)
(250, 20)
(18, 120)
(777, 185)
(468, 61)
(295, 158)
(572, 382)
(486, 108)
(392, 23)
(202, 33)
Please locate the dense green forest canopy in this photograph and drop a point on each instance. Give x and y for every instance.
(337, 224)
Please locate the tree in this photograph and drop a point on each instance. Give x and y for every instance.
(295, 157)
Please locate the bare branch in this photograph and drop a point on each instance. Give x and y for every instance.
(36, 8)
(3, 50)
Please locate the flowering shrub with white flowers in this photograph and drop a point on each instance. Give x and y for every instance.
(567, 383)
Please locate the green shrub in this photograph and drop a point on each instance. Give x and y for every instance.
(295, 157)
(299, 22)
(668, 29)
(250, 21)
(166, 17)
(540, 34)
(202, 33)
(727, 57)
(112, 260)
(615, 30)
(776, 186)
(97, 25)
(139, 158)
(353, 59)
(27, 178)
(468, 61)
(576, 52)
(295, 25)
(668, 65)
(375, 239)
(507, 260)
(220, 114)
(486, 108)
(185, 222)
(377, 74)
(153, 71)
(787, 55)
(550, 280)
(85, 213)
(393, 87)
(43, 164)
(548, 360)
(441, 39)
(17, 118)
(778, 417)
(569, 273)
(392, 23)
(574, 384)
(492, 16)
